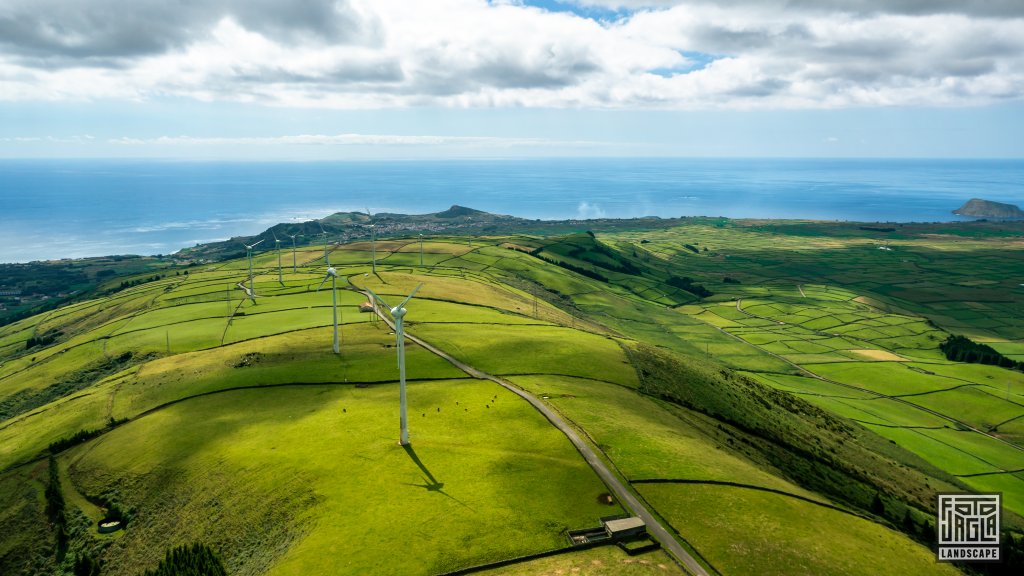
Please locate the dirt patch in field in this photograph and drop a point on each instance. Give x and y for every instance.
(879, 355)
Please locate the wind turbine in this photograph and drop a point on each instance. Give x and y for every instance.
(294, 266)
(277, 243)
(421, 250)
(398, 312)
(373, 240)
(333, 275)
(252, 286)
(327, 259)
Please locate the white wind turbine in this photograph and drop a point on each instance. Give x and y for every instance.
(373, 240)
(295, 267)
(277, 244)
(333, 275)
(327, 259)
(252, 286)
(398, 312)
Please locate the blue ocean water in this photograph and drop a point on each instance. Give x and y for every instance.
(73, 208)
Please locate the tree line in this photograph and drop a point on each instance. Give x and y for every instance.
(962, 349)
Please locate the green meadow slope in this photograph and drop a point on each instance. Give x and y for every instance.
(737, 399)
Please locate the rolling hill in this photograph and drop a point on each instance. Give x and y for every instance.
(774, 392)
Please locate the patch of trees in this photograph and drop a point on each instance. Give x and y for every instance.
(106, 273)
(572, 267)
(877, 229)
(686, 283)
(42, 341)
(55, 509)
(692, 248)
(194, 560)
(617, 264)
(29, 399)
(729, 280)
(73, 440)
(138, 281)
(43, 277)
(86, 565)
(82, 436)
(963, 349)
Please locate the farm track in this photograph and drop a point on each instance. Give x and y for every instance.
(622, 493)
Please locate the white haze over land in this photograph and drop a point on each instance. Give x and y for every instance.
(199, 78)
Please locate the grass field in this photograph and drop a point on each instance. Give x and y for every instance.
(744, 530)
(603, 561)
(228, 421)
(738, 530)
(484, 483)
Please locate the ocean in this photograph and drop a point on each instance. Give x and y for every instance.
(72, 208)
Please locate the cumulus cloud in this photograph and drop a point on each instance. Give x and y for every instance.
(978, 8)
(686, 54)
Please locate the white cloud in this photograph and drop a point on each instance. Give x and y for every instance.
(85, 138)
(352, 140)
(361, 54)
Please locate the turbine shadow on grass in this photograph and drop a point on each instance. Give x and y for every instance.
(430, 483)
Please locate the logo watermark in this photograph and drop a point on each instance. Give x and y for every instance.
(968, 527)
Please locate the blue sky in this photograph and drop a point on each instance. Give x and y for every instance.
(351, 79)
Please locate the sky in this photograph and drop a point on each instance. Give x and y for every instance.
(382, 79)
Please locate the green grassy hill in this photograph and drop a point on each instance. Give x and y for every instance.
(767, 406)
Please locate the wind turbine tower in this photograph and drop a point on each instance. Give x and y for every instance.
(252, 286)
(398, 312)
(373, 241)
(295, 267)
(327, 259)
(333, 275)
(277, 244)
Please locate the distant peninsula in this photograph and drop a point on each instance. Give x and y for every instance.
(978, 208)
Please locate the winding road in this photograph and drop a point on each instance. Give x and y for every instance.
(624, 496)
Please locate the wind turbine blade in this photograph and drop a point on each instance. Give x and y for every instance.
(413, 293)
(275, 235)
(322, 282)
(379, 299)
(258, 243)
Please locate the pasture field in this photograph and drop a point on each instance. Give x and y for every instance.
(858, 321)
(480, 484)
(742, 528)
(602, 561)
(740, 524)
(745, 379)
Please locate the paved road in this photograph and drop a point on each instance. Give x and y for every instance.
(625, 497)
